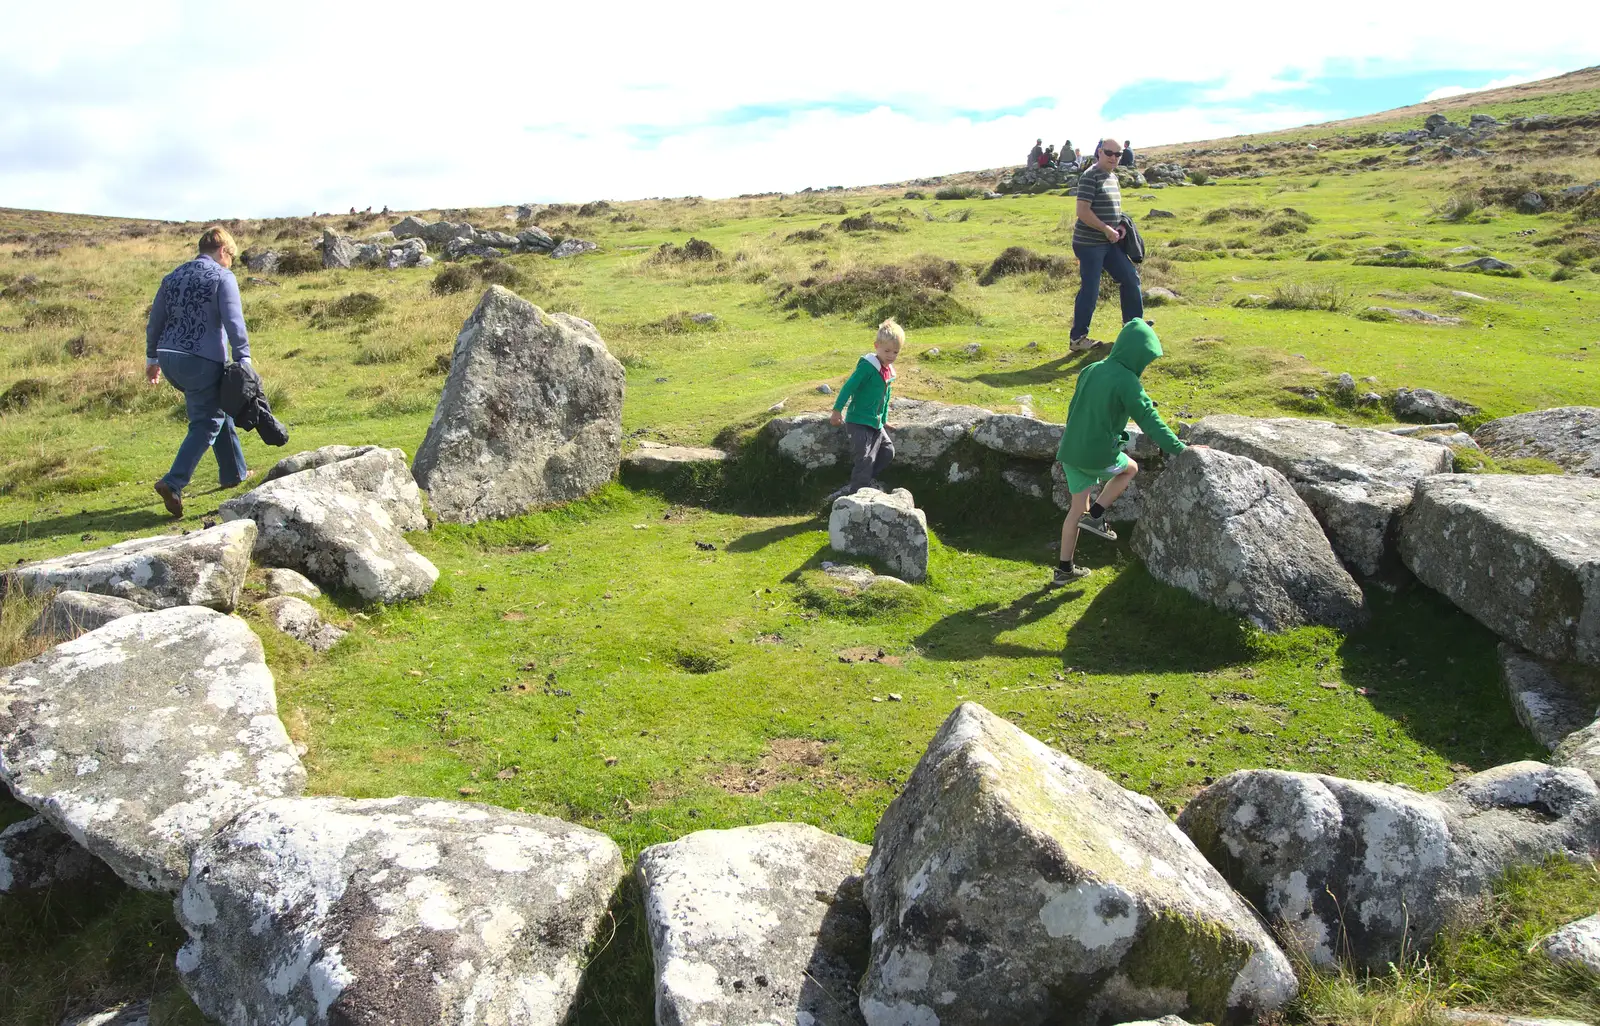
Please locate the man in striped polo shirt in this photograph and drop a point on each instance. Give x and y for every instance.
(1094, 242)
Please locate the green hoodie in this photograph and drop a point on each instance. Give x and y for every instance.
(1108, 393)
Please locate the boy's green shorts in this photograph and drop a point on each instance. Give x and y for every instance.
(1079, 479)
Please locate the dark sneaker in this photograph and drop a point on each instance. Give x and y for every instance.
(832, 497)
(1063, 577)
(1097, 525)
(171, 499)
(1084, 344)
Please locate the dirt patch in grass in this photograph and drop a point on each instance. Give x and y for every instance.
(869, 654)
(787, 760)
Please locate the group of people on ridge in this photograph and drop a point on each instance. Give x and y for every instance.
(1069, 158)
(1108, 394)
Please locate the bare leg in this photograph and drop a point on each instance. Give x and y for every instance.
(1117, 485)
(1069, 526)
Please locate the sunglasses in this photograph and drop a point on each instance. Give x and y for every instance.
(1112, 153)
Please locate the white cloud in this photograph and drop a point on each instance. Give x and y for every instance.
(184, 109)
(1499, 83)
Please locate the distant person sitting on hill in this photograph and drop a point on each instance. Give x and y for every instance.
(1108, 393)
(867, 394)
(1035, 153)
(1049, 156)
(1126, 160)
(1094, 243)
(1069, 156)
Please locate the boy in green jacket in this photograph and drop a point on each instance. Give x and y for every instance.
(867, 394)
(1108, 393)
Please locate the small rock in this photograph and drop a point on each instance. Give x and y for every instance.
(858, 576)
(283, 581)
(132, 1013)
(825, 389)
(572, 247)
(661, 459)
(1430, 407)
(300, 620)
(886, 527)
(1576, 944)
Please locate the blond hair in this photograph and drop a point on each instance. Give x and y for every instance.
(889, 331)
(217, 239)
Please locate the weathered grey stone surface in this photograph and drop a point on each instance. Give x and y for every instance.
(924, 431)
(809, 440)
(1466, 1017)
(534, 239)
(1577, 943)
(654, 458)
(1357, 481)
(1521, 555)
(410, 253)
(201, 568)
(531, 414)
(71, 613)
(1550, 708)
(1385, 865)
(1030, 483)
(1016, 435)
(460, 249)
(1568, 436)
(572, 247)
(1235, 534)
(1580, 750)
(1430, 407)
(132, 1013)
(338, 251)
(499, 240)
(313, 458)
(34, 855)
(436, 234)
(1010, 883)
(760, 924)
(283, 581)
(858, 576)
(300, 620)
(141, 738)
(394, 910)
(341, 525)
(883, 526)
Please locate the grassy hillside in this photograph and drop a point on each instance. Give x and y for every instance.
(593, 663)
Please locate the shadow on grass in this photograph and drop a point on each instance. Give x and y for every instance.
(1136, 624)
(1050, 372)
(125, 518)
(974, 633)
(618, 986)
(757, 540)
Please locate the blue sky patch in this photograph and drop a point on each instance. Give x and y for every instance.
(1345, 93)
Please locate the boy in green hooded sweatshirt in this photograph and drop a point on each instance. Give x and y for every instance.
(1108, 394)
(866, 392)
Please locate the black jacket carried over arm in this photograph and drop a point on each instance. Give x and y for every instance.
(1132, 242)
(245, 401)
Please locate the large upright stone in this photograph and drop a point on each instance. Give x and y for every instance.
(1010, 883)
(1521, 555)
(1235, 534)
(1357, 481)
(341, 524)
(392, 910)
(883, 526)
(202, 568)
(531, 414)
(71, 613)
(760, 924)
(1376, 870)
(338, 251)
(1568, 436)
(141, 738)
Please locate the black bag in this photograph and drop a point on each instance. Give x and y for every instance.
(245, 401)
(1132, 242)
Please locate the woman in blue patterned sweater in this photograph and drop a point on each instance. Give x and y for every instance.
(196, 311)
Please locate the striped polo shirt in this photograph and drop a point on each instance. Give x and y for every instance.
(1105, 199)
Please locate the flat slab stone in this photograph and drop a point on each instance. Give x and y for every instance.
(660, 459)
(201, 568)
(71, 613)
(300, 620)
(1375, 870)
(530, 416)
(1463, 1017)
(1550, 708)
(1576, 944)
(858, 576)
(885, 526)
(283, 581)
(1010, 883)
(393, 910)
(1236, 534)
(310, 459)
(759, 924)
(1521, 555)
(35, 855)
(924, 431)
(1016, 435)
(1356, 481)
(133, 1013)
(1568, 436)
(141, 738)
(809, 440)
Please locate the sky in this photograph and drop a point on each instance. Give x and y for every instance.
(196, 111)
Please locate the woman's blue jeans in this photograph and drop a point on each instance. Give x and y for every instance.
(1091, 261)
(200, 381)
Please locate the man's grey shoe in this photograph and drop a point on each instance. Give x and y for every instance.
(1064, 577)
(1097, 525)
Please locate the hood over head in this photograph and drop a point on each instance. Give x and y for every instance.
(1136, 347)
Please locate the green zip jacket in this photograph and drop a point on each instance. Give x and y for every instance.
(867, 393)
(1108, 394)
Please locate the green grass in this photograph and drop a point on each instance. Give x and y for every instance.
(636, 683)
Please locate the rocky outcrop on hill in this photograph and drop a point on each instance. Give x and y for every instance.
(403, 910)
(1011, 883)
(35, 855)
(1235, 534)
(201, 568)
(1355, 480)
(1429, 407)
(71, 613)
(531, 414)
(886, 527)
(1521, 555)
(534, 239)
(1376, 870)
(341, 523)
(1032, 178)
(760, 924)
(1568, 436)
(572, 248)
(141, 738)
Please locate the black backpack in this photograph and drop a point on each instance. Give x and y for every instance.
(1132, 242)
